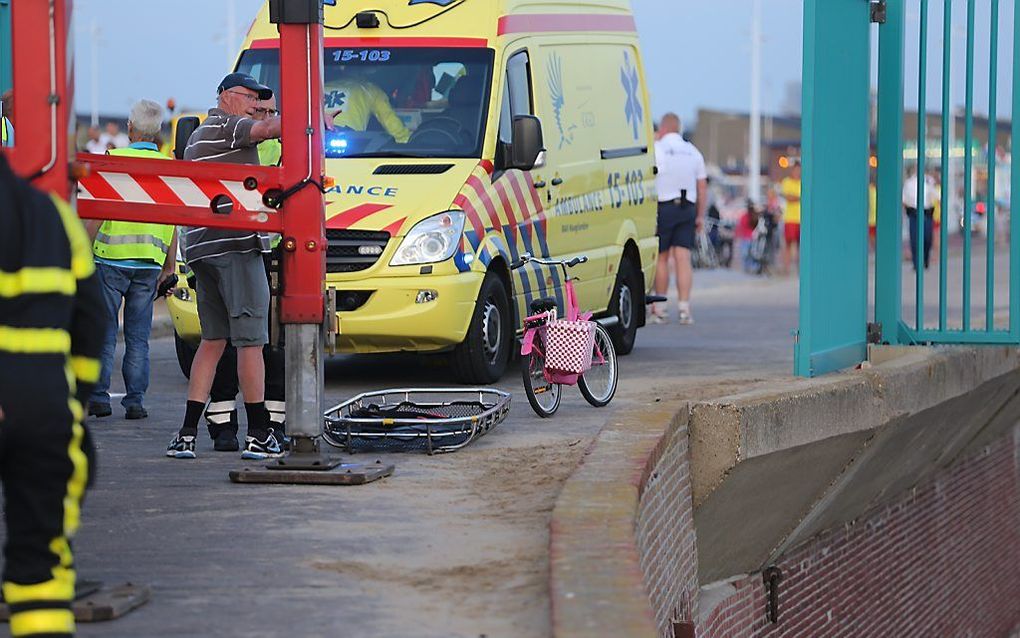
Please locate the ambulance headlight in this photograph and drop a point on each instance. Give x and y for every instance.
(431, 240)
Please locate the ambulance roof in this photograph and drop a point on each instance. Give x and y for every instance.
(481, 21)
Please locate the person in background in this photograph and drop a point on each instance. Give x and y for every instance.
(221, 413)
(233, 294)
(95, 145)
(682, 184)
(910, 207)
(270, 151)
(7, 119)
(51, 329)
(132, 260)
(872, 214)
(790, 187)
(113, 137)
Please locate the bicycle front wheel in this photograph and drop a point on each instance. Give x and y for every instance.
(543, 395)
(598, 385)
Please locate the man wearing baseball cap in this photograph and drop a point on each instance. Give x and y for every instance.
(233, 293)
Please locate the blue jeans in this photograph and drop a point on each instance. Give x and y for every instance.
(136, 287)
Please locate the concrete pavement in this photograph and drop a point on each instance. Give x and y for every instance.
(449, 546)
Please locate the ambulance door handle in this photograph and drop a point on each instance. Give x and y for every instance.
(557, 181)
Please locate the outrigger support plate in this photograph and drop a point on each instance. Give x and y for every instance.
(343, 474)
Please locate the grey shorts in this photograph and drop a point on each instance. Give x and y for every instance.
(233, 298)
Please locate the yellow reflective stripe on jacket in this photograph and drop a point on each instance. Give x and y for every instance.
(34, 340)
(42, 621)
(132, 240)
(82, 265)
(72, 498)
(6, 128)
(37, 281)
(86, 368)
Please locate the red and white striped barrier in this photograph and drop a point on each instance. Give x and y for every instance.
(174, 191)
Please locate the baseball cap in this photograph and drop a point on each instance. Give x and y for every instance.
(245, 81)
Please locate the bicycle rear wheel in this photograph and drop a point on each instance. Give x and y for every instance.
(598, 385)
(543, 395)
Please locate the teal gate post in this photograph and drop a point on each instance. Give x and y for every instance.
(834, 229)
(6, 79)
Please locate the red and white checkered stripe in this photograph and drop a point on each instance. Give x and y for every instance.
(174, 191)
(569, 345)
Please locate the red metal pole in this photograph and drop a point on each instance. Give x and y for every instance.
(304, 256)
(43, 93)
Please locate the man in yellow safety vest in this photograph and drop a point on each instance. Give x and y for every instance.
(132, 259)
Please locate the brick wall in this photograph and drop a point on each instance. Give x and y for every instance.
(664, 532)
(944, 560)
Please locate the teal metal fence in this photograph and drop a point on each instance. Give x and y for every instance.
(952, 308)
(911, 306)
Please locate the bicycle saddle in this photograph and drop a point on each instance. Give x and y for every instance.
(543, 305)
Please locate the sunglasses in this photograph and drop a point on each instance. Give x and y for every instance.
(265, 111)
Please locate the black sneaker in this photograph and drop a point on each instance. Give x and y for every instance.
(226, 441)
(100, 409)
(281, 439)
(257, 450)
(134, 412)
(182, 447)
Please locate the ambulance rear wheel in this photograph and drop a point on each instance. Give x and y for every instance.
(185, 354)
(484, 354)
(625, 305)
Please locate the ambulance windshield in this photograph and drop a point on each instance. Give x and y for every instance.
(398, 101)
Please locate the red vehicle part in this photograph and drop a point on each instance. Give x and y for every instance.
(173, 192)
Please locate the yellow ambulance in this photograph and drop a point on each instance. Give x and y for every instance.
(473, 131)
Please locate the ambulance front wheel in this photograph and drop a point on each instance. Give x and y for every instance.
(484, 354)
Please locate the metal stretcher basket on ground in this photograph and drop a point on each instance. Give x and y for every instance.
(430, 420)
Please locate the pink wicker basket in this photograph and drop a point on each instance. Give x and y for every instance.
(569, 345)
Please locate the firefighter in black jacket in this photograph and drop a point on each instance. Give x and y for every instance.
(51, 333)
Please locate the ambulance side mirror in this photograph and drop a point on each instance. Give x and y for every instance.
(527, 147)
(185, 127)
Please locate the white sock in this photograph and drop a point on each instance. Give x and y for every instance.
(684, 306)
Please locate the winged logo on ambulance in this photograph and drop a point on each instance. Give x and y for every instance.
(559, 100)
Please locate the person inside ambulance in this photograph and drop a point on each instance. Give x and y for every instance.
(352, 90)
(462, 117)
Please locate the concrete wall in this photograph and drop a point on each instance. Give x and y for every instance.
(869, 490)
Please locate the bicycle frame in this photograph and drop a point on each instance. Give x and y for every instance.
(534, 326)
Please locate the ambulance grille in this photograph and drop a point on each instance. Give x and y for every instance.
(354, 250)
(412, 169)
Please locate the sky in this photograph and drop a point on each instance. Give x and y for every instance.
(697, 52)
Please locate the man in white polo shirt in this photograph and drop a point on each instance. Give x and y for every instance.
(682, 185)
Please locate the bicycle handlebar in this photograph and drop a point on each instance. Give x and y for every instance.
(568, 263)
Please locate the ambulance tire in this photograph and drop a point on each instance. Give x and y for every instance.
(484, 354)
(627, 293)
(185, 354)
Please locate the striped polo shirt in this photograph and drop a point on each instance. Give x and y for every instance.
(222, 138)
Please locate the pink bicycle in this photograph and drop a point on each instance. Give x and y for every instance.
(571, 351)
